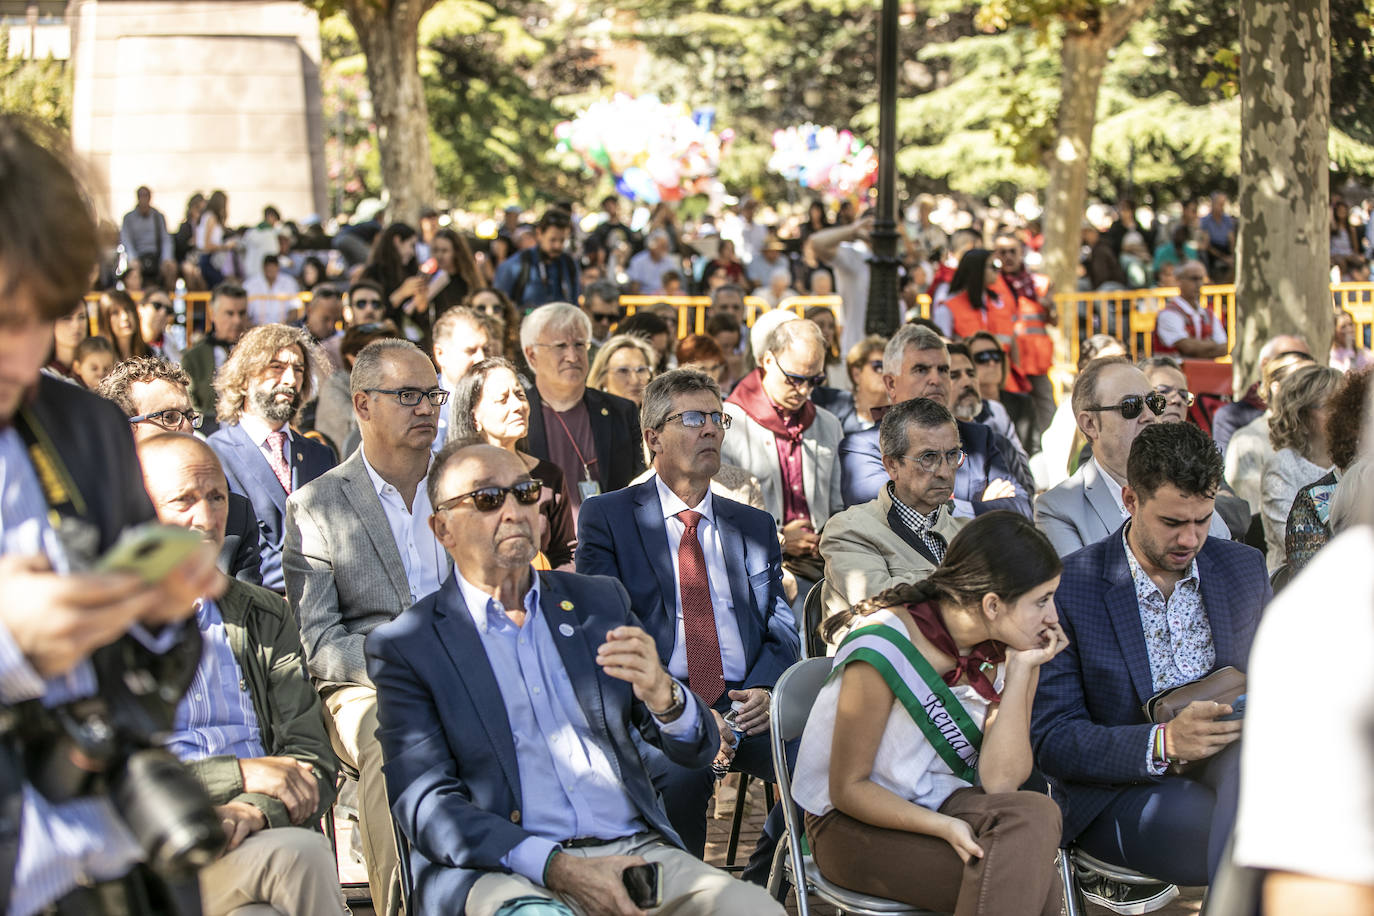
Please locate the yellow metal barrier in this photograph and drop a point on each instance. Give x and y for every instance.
(1130, 314)
(691, 310)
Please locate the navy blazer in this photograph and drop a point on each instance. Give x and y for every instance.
(249, 475)
(622, 535)
(1088, 728)
(863, 475)
(451, 770)
(615, 430)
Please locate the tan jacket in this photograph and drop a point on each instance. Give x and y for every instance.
(864, 555)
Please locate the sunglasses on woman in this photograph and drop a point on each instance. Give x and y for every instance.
(489, 499)
(1132, 405)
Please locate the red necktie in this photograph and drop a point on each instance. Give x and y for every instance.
(704, 673)
(276, 459)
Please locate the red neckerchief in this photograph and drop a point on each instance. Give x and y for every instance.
(989, 654)
(750, 397)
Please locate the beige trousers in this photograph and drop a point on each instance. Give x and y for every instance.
(283, 871)
(352, 723)
(690, 886)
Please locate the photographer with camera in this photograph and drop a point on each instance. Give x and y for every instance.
(91, 662)
(251, 728)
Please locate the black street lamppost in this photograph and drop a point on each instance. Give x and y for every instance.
(884, 306)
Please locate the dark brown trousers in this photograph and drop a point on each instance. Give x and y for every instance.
(1018, 833)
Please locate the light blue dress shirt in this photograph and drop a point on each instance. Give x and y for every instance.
(216, 717)
(570, 783)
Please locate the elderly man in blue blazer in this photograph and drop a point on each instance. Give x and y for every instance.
(1154, 606)
(266, 380)
(916, 365)
(704, 574)
(510, 708)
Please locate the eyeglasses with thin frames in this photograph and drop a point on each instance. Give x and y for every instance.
(410, 397)
(170, 419)
(695, 419)
(931, 461)
(489, 499)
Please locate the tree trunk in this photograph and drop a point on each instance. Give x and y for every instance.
(388, 33)
(1285, 115)
(1083, 59)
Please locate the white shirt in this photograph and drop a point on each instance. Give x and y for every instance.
(258, 430)
(1113, 488)
(851, 285)
(1313, 819)
(1172, 327)
(732, 659)
(262, 308)
(424, 558)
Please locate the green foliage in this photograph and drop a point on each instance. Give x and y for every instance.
(41, 89)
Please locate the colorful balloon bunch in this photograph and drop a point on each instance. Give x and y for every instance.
(654, 151)
(834, 162)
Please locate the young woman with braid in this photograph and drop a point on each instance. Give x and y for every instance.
(911, 761)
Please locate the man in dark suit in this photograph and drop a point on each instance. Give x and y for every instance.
(916, 365)
(71, 485)
(261, 388)
(506, 704)
(704, 573)
(1154, 606)
(228, 322)
(154, 395)
(592, 436)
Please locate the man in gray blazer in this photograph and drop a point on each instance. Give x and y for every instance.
(1112, 402)
(359, 551)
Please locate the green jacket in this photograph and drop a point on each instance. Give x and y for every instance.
(199, 362)
(267, 645)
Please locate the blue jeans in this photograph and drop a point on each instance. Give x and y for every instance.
(1175, 829)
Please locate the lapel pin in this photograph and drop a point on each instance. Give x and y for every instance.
(605, 412)
(300, 456)
(566, 605)
(566, 629)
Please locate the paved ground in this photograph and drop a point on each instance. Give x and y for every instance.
(718, 835)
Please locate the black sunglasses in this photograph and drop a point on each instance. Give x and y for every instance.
(988, 356)
(489, 499)
(1132, 405)
(798, 381)
(164, 307)
(603, 319)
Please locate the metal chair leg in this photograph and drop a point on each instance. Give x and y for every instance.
(1074, 904)
(737, 821)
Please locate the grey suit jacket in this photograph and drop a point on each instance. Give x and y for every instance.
(1081, 511)
(755, 449)
(344, 573)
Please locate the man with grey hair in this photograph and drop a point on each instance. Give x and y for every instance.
(647, 268)
(359, 551)
(1242, 411)
(916, 365)
(592, 436)
(789, 443)
(902, 534)
(601, 302)
(704, 574)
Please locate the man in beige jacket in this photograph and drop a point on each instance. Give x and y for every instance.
(902, 534)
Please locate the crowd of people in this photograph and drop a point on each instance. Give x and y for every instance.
(524, 569)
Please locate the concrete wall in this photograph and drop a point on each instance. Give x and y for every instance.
(199, 96)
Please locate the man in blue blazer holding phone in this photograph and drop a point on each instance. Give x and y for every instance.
(704, 574)
(1154, 606)
(507, 703)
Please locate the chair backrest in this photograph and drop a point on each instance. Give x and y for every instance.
(793, 696)
(813, 613)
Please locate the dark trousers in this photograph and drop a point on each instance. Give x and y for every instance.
(687, 792)
(1175, 829)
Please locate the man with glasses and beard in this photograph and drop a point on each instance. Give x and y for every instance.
(969, 405)
(1112, 401)
(155, 395)
(261, 388)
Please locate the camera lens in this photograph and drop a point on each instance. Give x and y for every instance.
(168, 811)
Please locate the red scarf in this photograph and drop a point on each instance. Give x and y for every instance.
(989, 653)
(787, 429)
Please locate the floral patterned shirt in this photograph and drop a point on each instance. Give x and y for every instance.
(1178, 635)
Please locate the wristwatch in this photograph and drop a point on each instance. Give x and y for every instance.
(675, 708)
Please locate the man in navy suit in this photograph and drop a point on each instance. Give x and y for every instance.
(682, 551)
(916, 365)
(267, 378)
(506, 704)
(1152, 607)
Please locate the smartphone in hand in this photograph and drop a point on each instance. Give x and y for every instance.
(644, 884)
(1237, 711)
(151, 551)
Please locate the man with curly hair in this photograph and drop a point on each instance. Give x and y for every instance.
(260, 389)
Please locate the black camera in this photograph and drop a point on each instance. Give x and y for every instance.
(109, 744)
